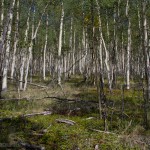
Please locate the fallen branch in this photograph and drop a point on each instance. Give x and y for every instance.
(33, 84)
(36, 134)
(63, 99)
(70, 122)
(36, 114)
(26, 115)
(15, 99)
(51, 97)
(106, 132)
(70, 100)
(89, 118)
(41, 133)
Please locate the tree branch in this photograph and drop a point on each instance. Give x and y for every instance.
(26, 115)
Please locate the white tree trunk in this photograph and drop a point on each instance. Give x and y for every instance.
(104, 45)
(22, 70)
(128, 47)
(45, 47)
(29, 55)
(146, 51)
(23, 53)
(73, 53)
(27, 65)
(1, 44)
(2, 19)
(7, 51)
(107, 64)
(60, 46)
(145, 43)
(34, 35)
(65, 57)
(122, 54)
(84, 50)
(16, 40)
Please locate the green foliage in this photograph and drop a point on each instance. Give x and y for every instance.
(108, 3)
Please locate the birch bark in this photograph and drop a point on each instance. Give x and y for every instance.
(16, 40)
(45, 47)
(104, 45)
(73, 52)
(23, 51)
(34, 35)
(1, 44)
(7, 46)
(2, 18)
(60, 46)
(146, 61)
(128, 47)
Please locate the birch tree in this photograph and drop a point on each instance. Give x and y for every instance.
(146, 61)
(2, 18)
(16, 40)
(34, 35)
(45, 47)
(128, 46)
(60, 44)
(102, 41)
(1, 43)
(23, 58)
(7, 46)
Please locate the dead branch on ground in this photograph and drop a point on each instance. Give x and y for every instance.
(69, 122)
(26, 115)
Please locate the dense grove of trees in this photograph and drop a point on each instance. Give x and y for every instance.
(98, 39)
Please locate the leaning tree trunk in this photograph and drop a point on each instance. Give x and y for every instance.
(106, 51)
(34, 35)
(99, 74)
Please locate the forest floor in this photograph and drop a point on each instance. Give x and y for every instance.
(71, 120)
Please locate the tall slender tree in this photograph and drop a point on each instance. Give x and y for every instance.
(7, 45)
(16, 40)
(128, 46)
(146, 61)
(60, 44)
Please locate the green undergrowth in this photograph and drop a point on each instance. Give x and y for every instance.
(60, 136)
(126, 128)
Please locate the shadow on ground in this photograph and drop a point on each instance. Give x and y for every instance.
(15, 130)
